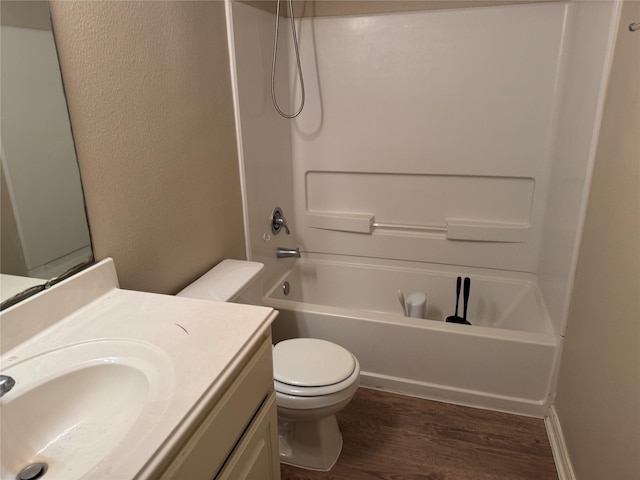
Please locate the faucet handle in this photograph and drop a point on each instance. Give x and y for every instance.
(278, 221)
(6, 384)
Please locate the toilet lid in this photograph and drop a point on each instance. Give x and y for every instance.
(310, 362)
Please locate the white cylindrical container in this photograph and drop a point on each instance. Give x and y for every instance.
(417, 305)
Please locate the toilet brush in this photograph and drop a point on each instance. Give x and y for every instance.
(467, 286)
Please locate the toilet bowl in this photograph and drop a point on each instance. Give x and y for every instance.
(314, 379)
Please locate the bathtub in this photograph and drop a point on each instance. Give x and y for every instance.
(506, 360)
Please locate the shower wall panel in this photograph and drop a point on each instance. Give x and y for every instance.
(590, 46)
(432, 128)
(461, 137)
(264, 136)
(499, 201)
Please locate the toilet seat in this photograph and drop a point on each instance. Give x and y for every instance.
(310, 367)
(296, 391)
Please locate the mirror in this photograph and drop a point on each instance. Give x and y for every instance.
(44, 231)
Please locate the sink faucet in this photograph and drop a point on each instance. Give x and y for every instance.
(287, 252)
(6, 384)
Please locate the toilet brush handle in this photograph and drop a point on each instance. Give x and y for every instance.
(458, 288)
(467, 288)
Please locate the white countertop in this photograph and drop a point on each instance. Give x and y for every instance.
(202, 342)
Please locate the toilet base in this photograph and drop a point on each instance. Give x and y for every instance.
(314, 445)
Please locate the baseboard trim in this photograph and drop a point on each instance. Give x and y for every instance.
(457, 396)
(558, 446)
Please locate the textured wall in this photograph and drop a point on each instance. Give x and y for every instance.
(150, 102)
(599, 387)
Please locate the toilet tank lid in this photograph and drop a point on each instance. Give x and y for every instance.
(225, 281)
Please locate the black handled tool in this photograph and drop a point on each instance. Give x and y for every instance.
(458, 285)
(467, 287)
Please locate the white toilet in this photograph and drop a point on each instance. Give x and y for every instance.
(314, 379)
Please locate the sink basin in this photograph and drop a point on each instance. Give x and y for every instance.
(71, 407)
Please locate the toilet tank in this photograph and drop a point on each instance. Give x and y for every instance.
(237, 281)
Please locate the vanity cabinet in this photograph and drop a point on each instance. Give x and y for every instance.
(238, 439)
(254, 456)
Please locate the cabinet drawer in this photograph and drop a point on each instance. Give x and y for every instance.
(208, 448)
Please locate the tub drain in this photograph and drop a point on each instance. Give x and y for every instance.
(32, 471)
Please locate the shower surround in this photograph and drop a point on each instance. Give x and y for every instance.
(456, 141)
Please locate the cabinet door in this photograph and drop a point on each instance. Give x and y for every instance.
(256, 456)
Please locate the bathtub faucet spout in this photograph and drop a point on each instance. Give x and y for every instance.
(287, 252)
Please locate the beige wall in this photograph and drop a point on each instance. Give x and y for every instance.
(598, 397)
(150, 101)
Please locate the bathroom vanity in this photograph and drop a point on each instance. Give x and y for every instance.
(111, 383)
(246, 416)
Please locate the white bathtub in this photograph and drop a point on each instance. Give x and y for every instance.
(506, 360)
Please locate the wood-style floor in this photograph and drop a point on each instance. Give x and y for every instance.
(395, 437)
